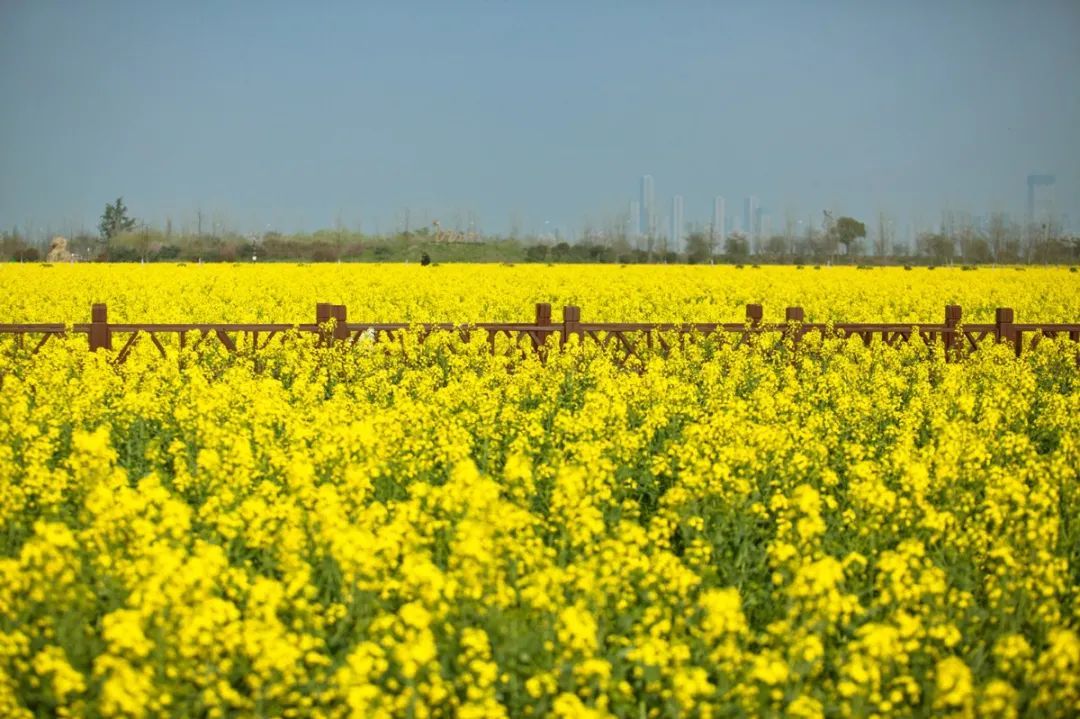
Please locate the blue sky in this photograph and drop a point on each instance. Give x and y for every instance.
(299, 116)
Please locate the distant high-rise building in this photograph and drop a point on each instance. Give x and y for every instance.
(718, 217)
(635, 219)
(1033, 181)
(676, 223)
(648, 206)
(763, 223)
(750, 216)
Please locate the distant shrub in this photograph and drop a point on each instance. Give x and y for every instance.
(322, 252)
(798, 267)
(908, 267)
(123, 254)
(536, 253)
(817, 267)
(1074, 269)
(969, 268)
(168, 252)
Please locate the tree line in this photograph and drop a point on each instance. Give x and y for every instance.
(122, 238)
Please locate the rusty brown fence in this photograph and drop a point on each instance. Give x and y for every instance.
(629, 339)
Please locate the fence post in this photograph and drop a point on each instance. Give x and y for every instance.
(341, 330)
(322, 316)
(753, 315)
(100, 334)
(1006, 329)
(543, 319)
(571, 320)
(796, 315)
(953, 313)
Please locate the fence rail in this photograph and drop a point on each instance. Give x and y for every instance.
(628, 338)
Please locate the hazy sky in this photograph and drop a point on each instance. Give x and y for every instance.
(298, 115)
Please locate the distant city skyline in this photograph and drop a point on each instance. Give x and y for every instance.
(756, 220)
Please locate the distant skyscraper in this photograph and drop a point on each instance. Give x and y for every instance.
(635, 219)
(648, 206)
(1034, 181)
(718, 217)
(763, 224)
(676, 223)
(750, 216)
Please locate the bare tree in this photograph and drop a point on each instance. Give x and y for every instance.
(789, 230)
(883, 239)
(339, 237)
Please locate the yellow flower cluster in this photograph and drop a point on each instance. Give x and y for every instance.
(427, 530)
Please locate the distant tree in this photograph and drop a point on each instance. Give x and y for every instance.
(975, 248)
(14, 247)
(536, 254)
(776, 246)
(881, 242)
(736, 246)
(143, 242)
(698, 248)
(340, 235)
(598, 253)
(115, 220)
(27, 254)
(1003, 237)
(847, 230)
(938, 246)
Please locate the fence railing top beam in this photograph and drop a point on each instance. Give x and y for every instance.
(1004, 326)
(34, 327)
(1049, 327)
(191, 327)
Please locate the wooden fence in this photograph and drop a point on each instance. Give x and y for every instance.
(629, 338)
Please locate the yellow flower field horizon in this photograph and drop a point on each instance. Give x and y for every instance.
(428, 530)
(162, 292)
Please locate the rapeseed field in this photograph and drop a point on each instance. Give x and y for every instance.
(414, 529)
